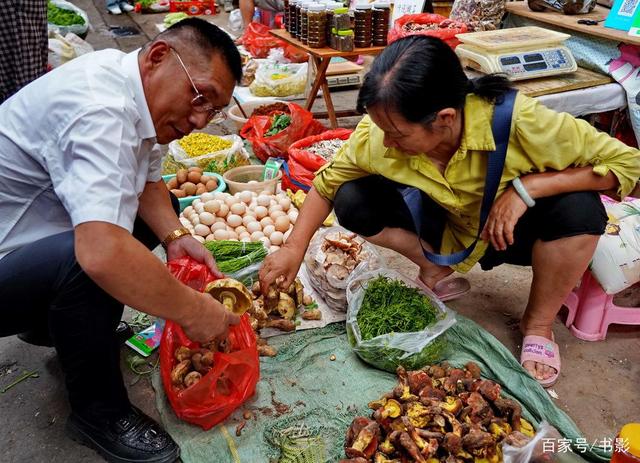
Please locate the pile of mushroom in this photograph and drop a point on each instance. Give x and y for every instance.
(438, 414)
(245, 216)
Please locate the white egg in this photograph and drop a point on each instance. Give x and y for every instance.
(246, 239)
(234, 220)
(184, 222)
(199, 208)
(253, 227)
(245, 197)
(253, 204)
(221, 220)
(282, 223)
(261, 212)
(264, 200)
(221, 235)
(244, 235)
(219, 196)
(247, 219)
(273, 202)
(188, 210)
(275, 214)
(238, 208)
(277, 238)
(207, 218)
(196, 201)
(199, 238)
(293, 215)
(273, 249)
(229, 229)
(266, 221)
(265, 242)
(240, 229)
(286, 235)
(212, 206)
(256, 235)
(231, 200)
(285, 203)
(195, 220)
(224, 210)
(232, 235)
(210, 237)
(275, 207)
(268, 230)
(218, 226)
(202, 230)
(206, 197)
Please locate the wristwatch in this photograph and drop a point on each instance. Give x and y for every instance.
(174, 235)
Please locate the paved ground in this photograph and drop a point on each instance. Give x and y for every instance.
(598, 387)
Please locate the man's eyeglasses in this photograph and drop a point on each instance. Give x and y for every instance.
(199, 103)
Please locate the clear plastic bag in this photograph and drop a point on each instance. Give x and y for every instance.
(332, 285)
(78, 29)
(542, 448)
(218, 162)
(274, 79)
(478, 15)
(413, 350)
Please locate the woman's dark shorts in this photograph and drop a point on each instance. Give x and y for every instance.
(369, 204)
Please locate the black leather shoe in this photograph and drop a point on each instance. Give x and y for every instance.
(133, 438)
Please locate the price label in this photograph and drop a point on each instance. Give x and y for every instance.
(402, 7)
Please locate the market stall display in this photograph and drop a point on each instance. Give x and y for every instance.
(438, 414)
(209, 152)
(245, 216)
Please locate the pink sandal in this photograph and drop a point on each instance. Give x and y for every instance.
(447, 288)
(541, 350)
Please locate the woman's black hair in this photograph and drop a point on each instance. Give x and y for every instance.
(418, 76)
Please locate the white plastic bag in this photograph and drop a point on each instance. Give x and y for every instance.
(542, 448)
(78, 29)
(616, 261)
(274, 79)
(64, 49)
(413, 350)
(330, 285)
(218, 162)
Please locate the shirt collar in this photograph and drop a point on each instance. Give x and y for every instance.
(131, 68)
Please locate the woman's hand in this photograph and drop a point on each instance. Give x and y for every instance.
(285, 262)
(189, 246)
(505, 213)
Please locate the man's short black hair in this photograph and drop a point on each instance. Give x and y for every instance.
(209, 38)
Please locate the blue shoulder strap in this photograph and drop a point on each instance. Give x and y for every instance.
(501, 127)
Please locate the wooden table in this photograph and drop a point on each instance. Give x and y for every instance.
(520, 8)
(321, 58)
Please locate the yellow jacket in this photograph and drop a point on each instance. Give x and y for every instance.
(540, 140)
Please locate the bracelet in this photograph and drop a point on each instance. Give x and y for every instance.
(174, 235)
(522, 192)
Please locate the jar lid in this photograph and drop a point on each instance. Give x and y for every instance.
(345, 33)
(630, 435)
(363, 6)
(316, 7)
(381, 5)
(334, 5)
(343, 10)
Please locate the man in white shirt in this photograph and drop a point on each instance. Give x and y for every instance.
(78, 164)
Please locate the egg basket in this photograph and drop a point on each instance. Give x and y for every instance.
(184, 202)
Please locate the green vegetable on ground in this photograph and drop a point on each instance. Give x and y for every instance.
(389, 306)
(280, 122)
(171, 18)
(232, 256)
(62, 17)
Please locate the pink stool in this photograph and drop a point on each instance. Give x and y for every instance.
(591, 311)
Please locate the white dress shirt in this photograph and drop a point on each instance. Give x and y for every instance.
(76, 145)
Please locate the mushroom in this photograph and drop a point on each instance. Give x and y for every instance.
(286, 306)
(231, 293)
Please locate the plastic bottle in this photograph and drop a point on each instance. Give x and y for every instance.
(317, 26)
(380, 15)
(629, 436)
(304, 22)
(363, 30)
(330, 8)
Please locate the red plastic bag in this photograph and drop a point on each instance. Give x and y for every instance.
(302, 125)
(257, 40)
(302, 165)
(234, 376)
(447, 31)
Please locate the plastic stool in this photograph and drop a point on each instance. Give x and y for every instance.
(591, 311)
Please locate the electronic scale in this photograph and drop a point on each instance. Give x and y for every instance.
(521, 52)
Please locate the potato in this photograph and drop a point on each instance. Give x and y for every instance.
(189, 188)
(195, 169)
(200, 188)
(172, 184)
(194, 177)
(211, 185)
(181, 176)
(179, 193)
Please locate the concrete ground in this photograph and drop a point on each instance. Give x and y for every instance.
(598, 387)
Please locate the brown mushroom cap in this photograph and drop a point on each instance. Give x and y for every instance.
(232, 294)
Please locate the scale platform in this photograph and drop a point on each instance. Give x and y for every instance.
(521, 53)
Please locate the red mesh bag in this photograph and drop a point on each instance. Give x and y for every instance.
(447, 28)
(234, 375)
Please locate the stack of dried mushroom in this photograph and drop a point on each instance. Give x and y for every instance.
(278, 309)
(438, 414)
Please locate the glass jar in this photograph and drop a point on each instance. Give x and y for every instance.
(304, 22)
(317, 26)
(363, 27)
(296, 21)
(341, 19)
(628, 448)
(330, 9)
(380, 14)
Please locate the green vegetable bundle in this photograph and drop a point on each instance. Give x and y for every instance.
(62, 17)
(233, 256)
(279, 123)
(171, 18)
(391, 323)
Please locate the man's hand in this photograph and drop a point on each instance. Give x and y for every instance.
(207, 319)
(189, 246)
(505, 213)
